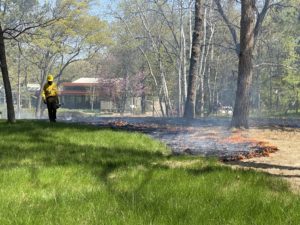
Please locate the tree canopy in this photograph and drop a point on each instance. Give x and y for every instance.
(70, 40)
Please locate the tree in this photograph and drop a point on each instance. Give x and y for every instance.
(6, 82)
(189, 110)
(57, 46)
(17, 19)
(242, 101)
(150, 36)
(250, 25)
(11, 29)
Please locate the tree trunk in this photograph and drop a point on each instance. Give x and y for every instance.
(209, 62)
(184, 83)
(38, 110)
(200, 96)
(297, 102)
(206, 74)
(9, 98)
(189, 110)
(124, 96)
(208, 95)
(179, 86)
(215, 92)
(19, 87)
(270, 92)
(242, 102)
(190, 30)
(143, 103)
(156, 47)
(181, 64)
(160, 97)
(168, 106)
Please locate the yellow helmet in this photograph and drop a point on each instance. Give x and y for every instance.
(50, 77)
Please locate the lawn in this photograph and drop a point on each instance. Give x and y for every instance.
(78, 174)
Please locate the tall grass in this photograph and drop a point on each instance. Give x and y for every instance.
(77, 174)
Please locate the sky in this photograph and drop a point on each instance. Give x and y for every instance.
(100, 8)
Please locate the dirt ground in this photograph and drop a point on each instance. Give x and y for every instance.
(211, 137)
(283, 163)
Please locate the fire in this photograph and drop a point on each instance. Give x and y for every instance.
(238, 138)
(228, 145)
(258, 148)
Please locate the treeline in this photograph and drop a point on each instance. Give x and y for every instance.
(149, 44)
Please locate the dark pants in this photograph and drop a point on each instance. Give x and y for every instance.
(52, 106)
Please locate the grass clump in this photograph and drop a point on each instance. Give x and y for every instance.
(77, 174)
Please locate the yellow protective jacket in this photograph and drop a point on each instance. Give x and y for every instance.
(49, 91)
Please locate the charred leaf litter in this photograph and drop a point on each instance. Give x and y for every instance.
(209, 137)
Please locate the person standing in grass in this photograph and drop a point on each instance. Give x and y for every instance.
(50, 97)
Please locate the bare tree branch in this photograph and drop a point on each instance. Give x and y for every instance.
(14, 33)
(230, 26)
(140, 48)
(260, 18)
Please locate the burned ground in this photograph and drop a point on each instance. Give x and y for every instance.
(270, 145)
(205, 137)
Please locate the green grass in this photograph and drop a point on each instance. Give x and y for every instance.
(76, 174)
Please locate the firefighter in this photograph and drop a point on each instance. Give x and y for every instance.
(50, 97)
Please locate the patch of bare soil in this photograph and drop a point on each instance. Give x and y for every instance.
(212, 140)
(271, 145)
(283, 163)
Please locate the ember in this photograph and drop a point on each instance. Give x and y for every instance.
(257, 148)
(199, 137)
(237, 138)
(118, 123)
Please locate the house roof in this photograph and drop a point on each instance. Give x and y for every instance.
(87, 80)
(33, 87)
(106, 88)
(71, 84)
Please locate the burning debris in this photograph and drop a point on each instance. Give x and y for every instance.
(255, 148)
(147, 128)
(211, 140)
(118, 123)
(205, 137)
(124, 125)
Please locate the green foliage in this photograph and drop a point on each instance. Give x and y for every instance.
(292, 61)
(280, 82)
(81, 68)
(14, 12)
(113, 49)
(291, 46)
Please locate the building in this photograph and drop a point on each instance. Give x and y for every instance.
(94, 93)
